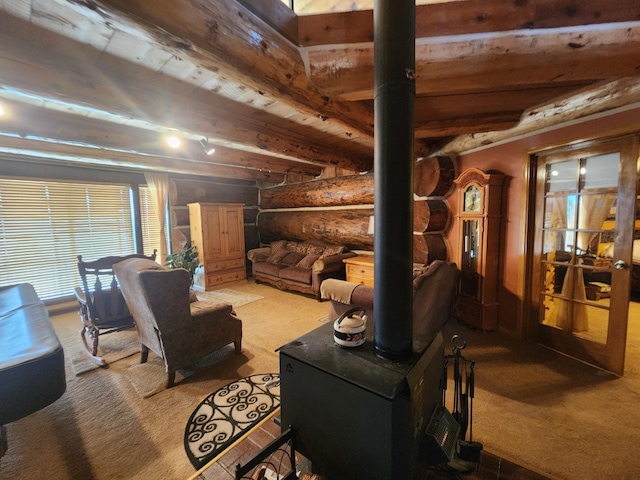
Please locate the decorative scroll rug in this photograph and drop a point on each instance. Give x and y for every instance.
(225, 415)
(227, 295)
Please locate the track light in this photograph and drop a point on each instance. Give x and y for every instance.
(205, 145)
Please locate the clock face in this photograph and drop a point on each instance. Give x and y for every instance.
(472, 199)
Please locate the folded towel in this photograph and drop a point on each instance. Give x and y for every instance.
(337, 290)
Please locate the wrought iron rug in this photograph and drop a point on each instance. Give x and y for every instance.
(225, 415)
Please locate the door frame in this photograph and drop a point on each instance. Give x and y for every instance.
(610, 356)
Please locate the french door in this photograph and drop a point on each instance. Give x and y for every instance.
(585, 222)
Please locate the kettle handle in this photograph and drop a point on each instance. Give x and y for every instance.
(351, 311)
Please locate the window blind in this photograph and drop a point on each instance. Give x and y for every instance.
(45, 225)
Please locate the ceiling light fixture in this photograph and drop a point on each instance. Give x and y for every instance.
(173, 141)
(205, 145)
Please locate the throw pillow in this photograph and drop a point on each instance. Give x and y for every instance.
(291, 246)
(278, 246)
(315, 249)
(328, 251)
(292, 258)
(308, 260)
(277, 257)
(302, 248)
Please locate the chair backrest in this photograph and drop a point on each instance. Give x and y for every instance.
(105, 304)
(157, 297)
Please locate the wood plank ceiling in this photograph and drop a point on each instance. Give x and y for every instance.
(102, 81)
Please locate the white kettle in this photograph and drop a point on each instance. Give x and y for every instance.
(349, 329)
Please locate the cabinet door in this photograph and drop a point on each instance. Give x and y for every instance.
(233, 232)
(213, 238)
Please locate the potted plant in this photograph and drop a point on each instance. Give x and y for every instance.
(187, 259)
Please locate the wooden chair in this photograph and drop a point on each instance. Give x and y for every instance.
(102, 310)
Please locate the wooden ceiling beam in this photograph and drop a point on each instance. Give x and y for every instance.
(71, 73)
(227, 36)
(590, 101)
(508, 60)
(33, 149)
(445, 115)
(468, 17)
(52, 126)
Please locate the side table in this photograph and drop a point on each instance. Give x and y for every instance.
(360, 269)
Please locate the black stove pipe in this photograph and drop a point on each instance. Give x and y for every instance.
(394, 65)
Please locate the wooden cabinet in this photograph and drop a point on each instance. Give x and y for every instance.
(217, 231)
(360, 269)
(478, 255)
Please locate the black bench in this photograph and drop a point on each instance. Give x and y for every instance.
(31, 357)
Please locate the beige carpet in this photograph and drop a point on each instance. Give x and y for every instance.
(102, 428)
(533, 407)
(111, 347)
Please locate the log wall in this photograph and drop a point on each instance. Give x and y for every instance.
(337, 210)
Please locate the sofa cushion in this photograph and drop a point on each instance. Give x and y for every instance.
(292, 258)
(267, 268)
(308, 260)
(297, 274)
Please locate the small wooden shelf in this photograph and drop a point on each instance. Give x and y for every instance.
(360, 269)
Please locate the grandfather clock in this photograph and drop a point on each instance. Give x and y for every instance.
(479, 221)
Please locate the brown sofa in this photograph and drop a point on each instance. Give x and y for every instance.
(300, 266)
(178, 330)
(434, 287)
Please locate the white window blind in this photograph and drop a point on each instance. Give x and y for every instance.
(45, 225)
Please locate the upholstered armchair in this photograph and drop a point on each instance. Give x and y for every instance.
(434, 287)
(176, 329)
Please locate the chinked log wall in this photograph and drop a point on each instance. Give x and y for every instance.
(337, 210)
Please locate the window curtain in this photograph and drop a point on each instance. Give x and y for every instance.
(158, 184)
(593, 211)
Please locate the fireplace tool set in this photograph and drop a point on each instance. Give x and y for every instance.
(463, 393)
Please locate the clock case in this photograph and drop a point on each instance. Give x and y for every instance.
(479, 223)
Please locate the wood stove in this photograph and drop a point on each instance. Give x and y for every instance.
(360, 413)
(356, 415)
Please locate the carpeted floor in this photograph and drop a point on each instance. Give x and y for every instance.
(532, 406)
(102, 428)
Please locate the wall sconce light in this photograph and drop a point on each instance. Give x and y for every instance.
(371, 230)
(205, 145)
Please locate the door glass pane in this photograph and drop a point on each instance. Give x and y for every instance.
(578, 234)
(601, 171)
(562, 176)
